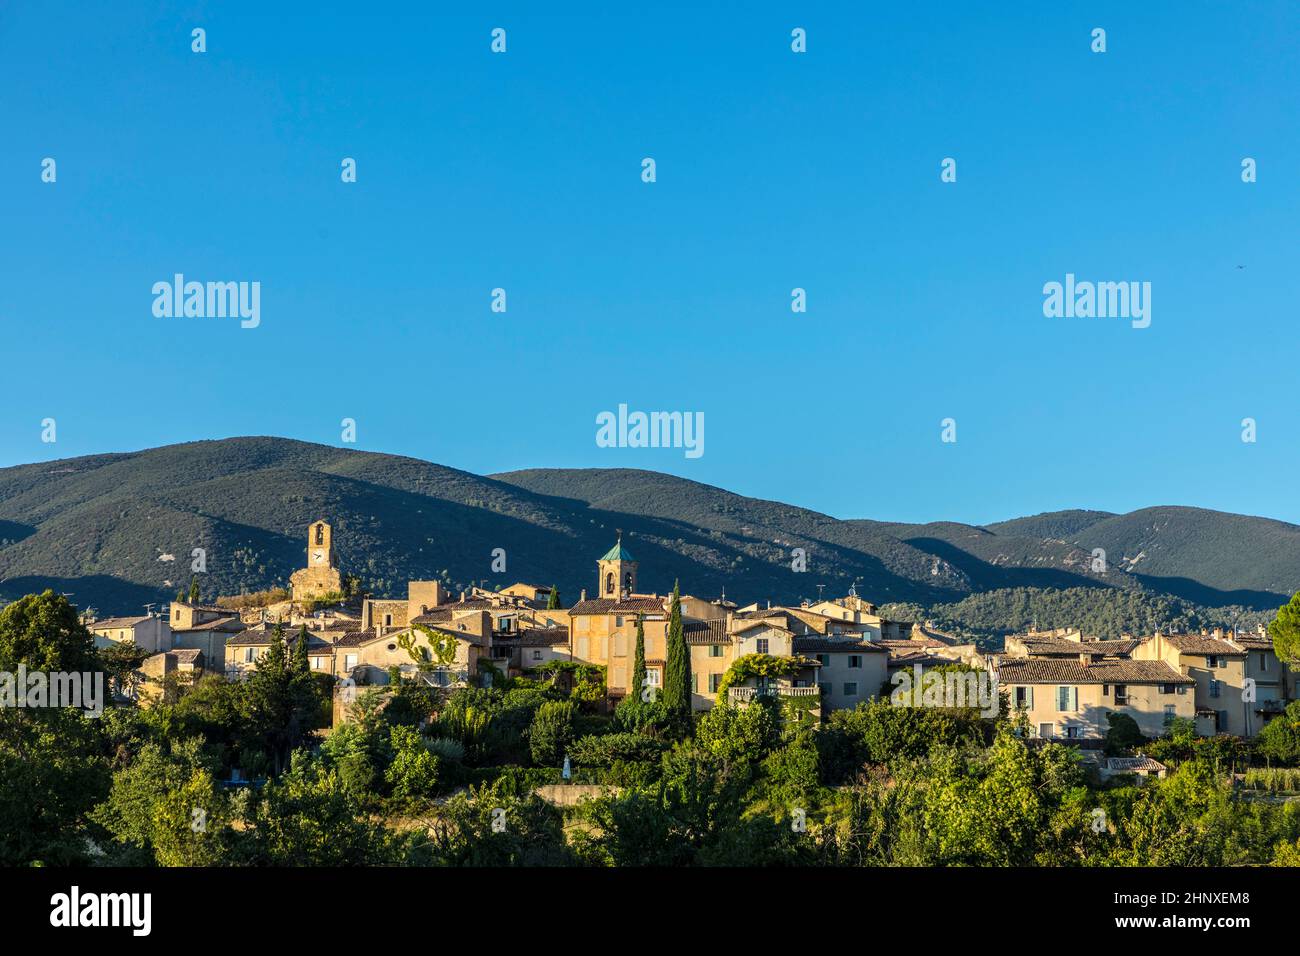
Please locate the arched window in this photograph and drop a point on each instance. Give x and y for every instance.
(320, 534)
(627, 582)
(609, 583)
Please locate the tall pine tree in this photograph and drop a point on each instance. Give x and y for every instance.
(553, 602)
(677, 663)
(194, 589)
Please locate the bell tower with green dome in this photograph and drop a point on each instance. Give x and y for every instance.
(617, 572)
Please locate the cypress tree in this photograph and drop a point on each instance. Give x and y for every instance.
(553, 602)
(194, 589)
(300, 664)
(677, 662)
(638, 662)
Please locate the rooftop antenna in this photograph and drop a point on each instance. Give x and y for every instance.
(820, 588)
(148, 609)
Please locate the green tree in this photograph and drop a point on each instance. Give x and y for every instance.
(551, 731)
(634, 711)
(283, 701)
(1123, 734)
(1285, 631)
(51, 775)
(165, 808)
(413, 772)
(638, 684)
(490, 827)
(301, 665)
(677, 663)
(121, 660)
(44, 632)
(1280, 738)
(553, 602)
(307, 818)
(194, 589)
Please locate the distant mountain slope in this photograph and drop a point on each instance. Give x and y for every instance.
(1207, 556)
(1062, 525)
(113, 530)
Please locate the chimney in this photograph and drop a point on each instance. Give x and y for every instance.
(1085, 659)
(583, 595)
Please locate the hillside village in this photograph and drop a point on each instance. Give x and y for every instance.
(830, 654)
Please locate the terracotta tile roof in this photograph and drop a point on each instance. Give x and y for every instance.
(439, 616)
(1202, 644)
(706, 632)
(446, 612)
(739, 627)
(355, 638)
(1034, 670)
(1254, 642)
(632, 605)
(182, 655)
(1046, 647)
(118, 622)
(902, 656)
(543, 636)
(259, 637)
(908, 644)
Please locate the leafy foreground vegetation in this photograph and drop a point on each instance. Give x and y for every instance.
(420, 777)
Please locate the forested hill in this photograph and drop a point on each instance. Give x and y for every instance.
(116, 531)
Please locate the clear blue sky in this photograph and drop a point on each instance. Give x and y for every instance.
(775, 170)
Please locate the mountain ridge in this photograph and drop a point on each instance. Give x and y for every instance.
(102, 527)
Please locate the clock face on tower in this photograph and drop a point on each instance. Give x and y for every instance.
(318, 556)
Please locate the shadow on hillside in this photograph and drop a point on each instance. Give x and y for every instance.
(103, 592)
(986, 577)
(11, 532)
(1198, 593)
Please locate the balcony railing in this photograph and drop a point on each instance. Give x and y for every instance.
(744, 695)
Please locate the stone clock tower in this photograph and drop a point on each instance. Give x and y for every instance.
(320, 577)
(320, 546)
